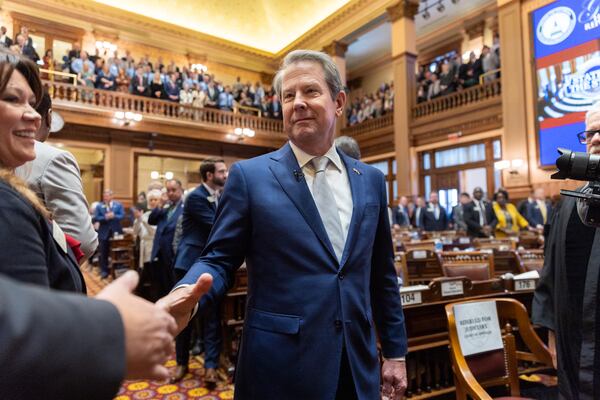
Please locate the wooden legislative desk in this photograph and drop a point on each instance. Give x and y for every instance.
(429, 368)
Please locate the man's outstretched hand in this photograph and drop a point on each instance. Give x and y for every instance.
(180, 302)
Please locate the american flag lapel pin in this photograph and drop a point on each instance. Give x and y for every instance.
(357, 172)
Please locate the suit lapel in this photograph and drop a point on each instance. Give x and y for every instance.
(357, 187)
(286, 170)
(206, 195)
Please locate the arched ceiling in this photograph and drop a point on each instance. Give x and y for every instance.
(268, 25)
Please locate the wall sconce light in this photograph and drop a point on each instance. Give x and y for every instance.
(107, 46)
(512, 165)
(157, 175)
(127, 118)
(240, 133)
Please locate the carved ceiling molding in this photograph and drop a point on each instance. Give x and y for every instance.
(348, 12)
(403, 9)
(336, 49)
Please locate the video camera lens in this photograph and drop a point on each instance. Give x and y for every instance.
(577, 165)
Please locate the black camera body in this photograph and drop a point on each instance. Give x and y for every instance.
(582, 167)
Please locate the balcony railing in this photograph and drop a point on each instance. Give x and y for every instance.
(468, 96)
(117, 101)
(370, 125)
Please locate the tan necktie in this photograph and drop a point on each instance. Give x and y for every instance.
(327, 206)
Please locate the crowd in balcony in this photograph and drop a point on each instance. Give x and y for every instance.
(159, 80)
(181, 84)
(372, 105)
(450, 74)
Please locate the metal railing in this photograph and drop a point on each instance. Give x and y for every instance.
(117, 101)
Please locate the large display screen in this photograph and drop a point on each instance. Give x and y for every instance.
(567, 64)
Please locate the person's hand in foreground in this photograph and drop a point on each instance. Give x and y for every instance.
(180, 303)
(149, 329)
(393, 374)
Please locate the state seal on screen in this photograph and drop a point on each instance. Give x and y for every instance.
(556, 25)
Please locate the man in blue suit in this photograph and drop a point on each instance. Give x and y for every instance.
(539, 211)
(312, 225)
(109, 214)
(198, 217)
(165, 219)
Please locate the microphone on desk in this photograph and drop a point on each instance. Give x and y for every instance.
(298, 174)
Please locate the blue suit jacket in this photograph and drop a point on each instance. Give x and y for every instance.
(165, 231)
(534, 215)
(109, 226)
(304, 306)
(198, 218)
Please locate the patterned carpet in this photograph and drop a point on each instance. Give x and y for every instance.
(191, 387)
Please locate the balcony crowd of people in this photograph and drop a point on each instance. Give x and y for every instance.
(372, 105)
(451, 74)
(156, 79)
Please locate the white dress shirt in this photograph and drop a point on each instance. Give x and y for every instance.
(337, 178)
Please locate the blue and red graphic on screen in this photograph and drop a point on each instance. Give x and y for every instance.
(567, 63)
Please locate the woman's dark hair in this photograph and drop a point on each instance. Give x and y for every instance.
(501, 191)
(10, 62)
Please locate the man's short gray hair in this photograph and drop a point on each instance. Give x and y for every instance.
(332, 74)
(348, 145)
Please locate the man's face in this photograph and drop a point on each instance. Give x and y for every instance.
(592, 122)
(539, 194)
(44, 131)
(220, 175)
(403, 201)
(420, 202)
(433, 198)
(478, 193)
(309, 112)
(107, 196)
(3, 30)
(174, 191)
(465, 200)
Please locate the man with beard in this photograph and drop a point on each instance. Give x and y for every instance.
(197, 221)
(566, 298)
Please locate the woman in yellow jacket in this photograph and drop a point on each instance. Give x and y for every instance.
(510, 221)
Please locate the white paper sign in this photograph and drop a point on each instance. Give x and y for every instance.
(524, 284)
(452, 288)
(419, 254)
(464, 240)
(478, 327)
(410, 298)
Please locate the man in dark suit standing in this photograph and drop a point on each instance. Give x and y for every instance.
(401, 217)
(418, 213)
(198, 217)
(109, 214)
(435, 217)
(313, 227)
(5, 40)
(479, 215)
(165, 219)
(79, 347)
(539, 211)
